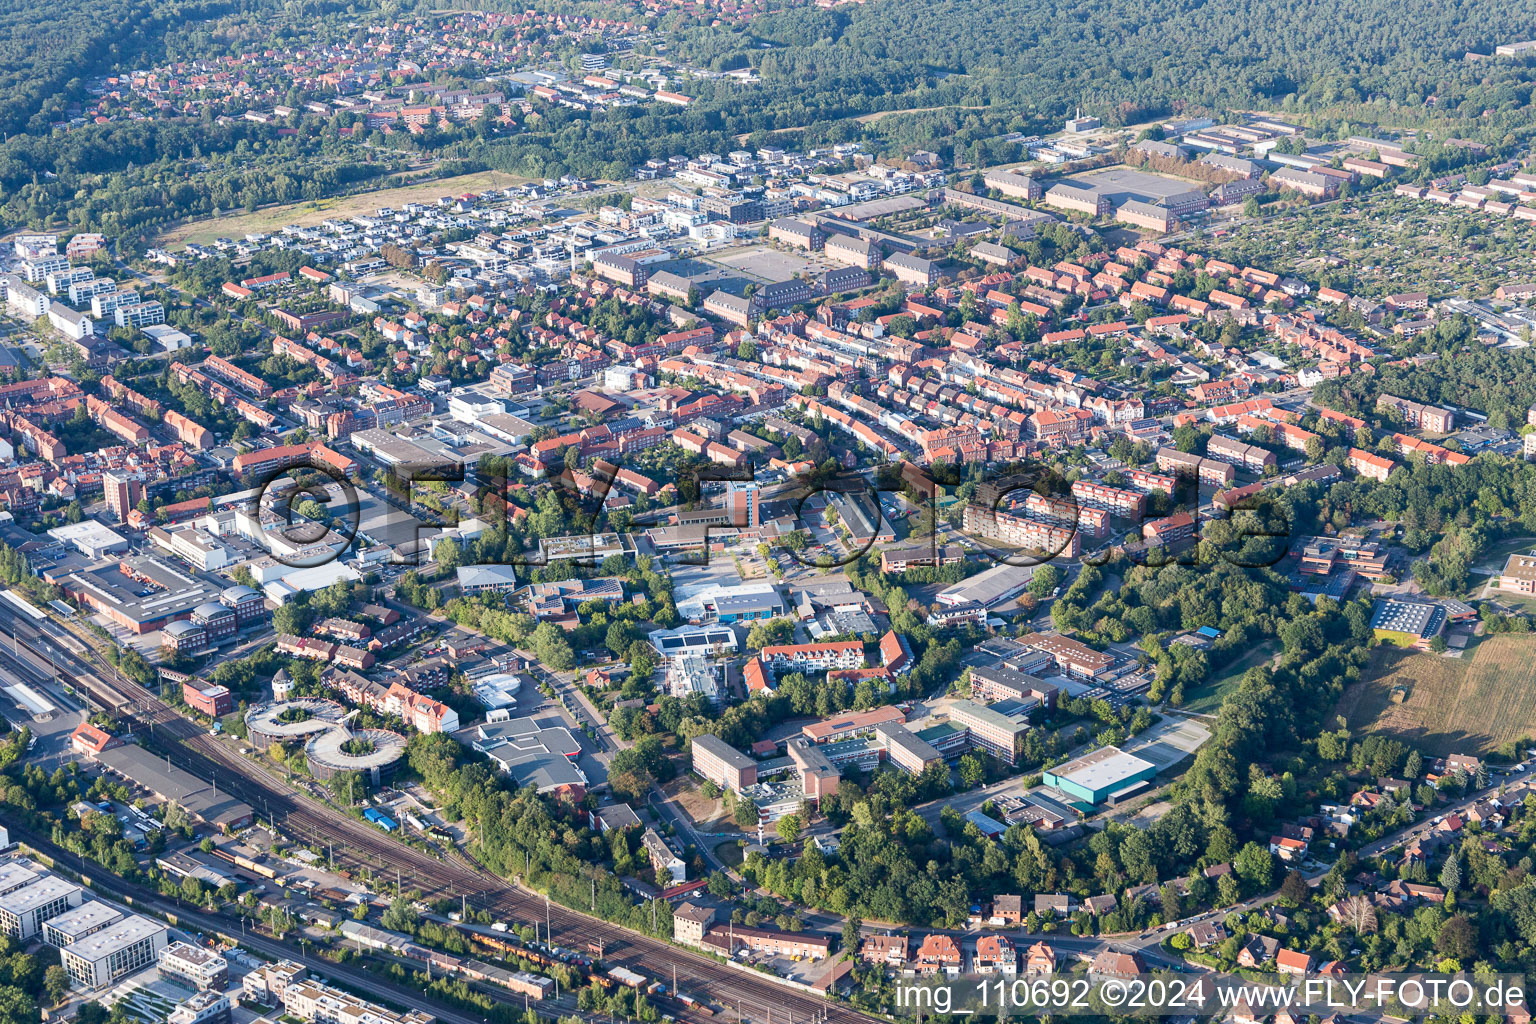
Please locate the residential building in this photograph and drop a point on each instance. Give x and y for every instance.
(939, 953)
(995, 954)
(890, 950)
(1433, 418)
(669, 867)
(823, 657)
(193, 966)
(202, 1008)
(690, 923)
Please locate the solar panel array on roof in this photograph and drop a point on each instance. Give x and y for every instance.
(694, 641)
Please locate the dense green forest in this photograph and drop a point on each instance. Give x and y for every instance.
(955, 76)
(1500, 383)
(1125, 60)
(47, 53)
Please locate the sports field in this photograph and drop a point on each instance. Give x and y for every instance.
(274, 218)
(1464, 705)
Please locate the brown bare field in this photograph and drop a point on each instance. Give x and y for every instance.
(1465, 705)
(707, 814)
(237, 224)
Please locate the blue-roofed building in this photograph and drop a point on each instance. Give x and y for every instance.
(990, 827)
(625, 425)
(749, 607)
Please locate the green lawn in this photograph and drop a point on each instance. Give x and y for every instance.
(1497, 554)
(1207, 698)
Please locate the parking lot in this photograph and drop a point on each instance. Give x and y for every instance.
(1169, 742)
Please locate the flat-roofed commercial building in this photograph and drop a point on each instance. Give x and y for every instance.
(905, 749)
(141, 593)
(818, 775)
(1105, 774)
(724, 765)
(1519, 573)
(920, 556)
(999, 682)
(72, 925)
(1407, 623)
(23, 910)
(15, 874)
(201, 799)
(996, 733)
(119, 949)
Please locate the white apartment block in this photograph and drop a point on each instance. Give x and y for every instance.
(193, 966)
(139, 314)
(102, 957)
(37, 269)
(82, 291)
(71, 322)
(103, 306)
(23, 910)
(21, 298)
(60, 280)
(72, 925)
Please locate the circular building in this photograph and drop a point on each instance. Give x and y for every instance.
(372, 753)
(292, 721)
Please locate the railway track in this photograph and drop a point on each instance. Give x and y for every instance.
(354, 844)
